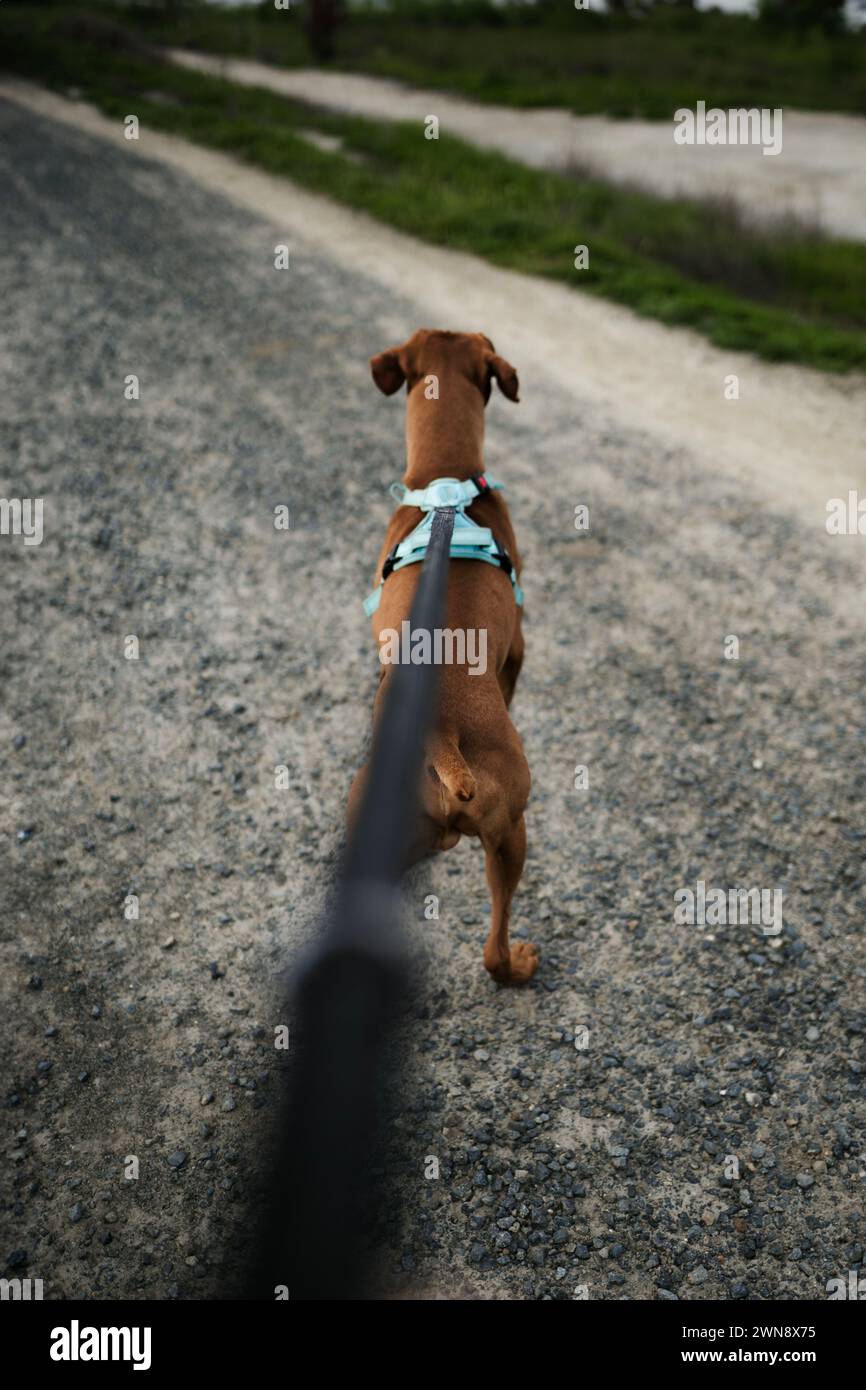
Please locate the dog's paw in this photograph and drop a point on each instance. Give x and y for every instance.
(520, 967)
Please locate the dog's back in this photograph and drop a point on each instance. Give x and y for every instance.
(476, 779)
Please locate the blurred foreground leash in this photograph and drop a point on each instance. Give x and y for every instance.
(345, 999)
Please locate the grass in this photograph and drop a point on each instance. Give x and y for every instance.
(551, 56)
(787, 297)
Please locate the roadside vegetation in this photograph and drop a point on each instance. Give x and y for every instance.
(552, 54)
(787, 295)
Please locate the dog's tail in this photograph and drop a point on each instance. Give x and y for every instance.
(451, 768)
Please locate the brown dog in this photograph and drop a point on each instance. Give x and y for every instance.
(476, 778)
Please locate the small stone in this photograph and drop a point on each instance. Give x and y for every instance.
(177, 1159)
(208, 1098)
(76, 1213)
(699, 1275)
(805, 1180)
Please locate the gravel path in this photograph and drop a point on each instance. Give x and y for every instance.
(820, 174)
(560, 1168)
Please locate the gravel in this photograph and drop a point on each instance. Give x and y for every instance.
(254, 653)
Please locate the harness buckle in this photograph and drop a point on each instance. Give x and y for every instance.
(447, 494)
(389, 562)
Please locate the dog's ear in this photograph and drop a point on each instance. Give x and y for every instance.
(505, 374)
(388, 371)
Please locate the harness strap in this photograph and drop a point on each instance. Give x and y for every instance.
(468, 541)
(443, 492)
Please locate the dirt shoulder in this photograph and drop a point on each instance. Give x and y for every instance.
(819, 175)
(604, 1168)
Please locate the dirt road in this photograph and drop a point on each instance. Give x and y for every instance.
(819, 174)
(606, 1169)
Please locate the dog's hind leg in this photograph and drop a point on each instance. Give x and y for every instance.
(511, 666)
(509, 965)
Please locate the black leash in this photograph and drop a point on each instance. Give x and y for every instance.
(346, 999)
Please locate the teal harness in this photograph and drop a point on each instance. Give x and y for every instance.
(468, 541)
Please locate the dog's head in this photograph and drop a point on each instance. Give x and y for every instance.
(433, 352)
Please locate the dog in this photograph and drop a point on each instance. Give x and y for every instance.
(476, 778)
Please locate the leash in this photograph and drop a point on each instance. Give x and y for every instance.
(348, 996)
(468, 541)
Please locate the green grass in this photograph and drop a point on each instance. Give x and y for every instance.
(788, 297)
(552, 57)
